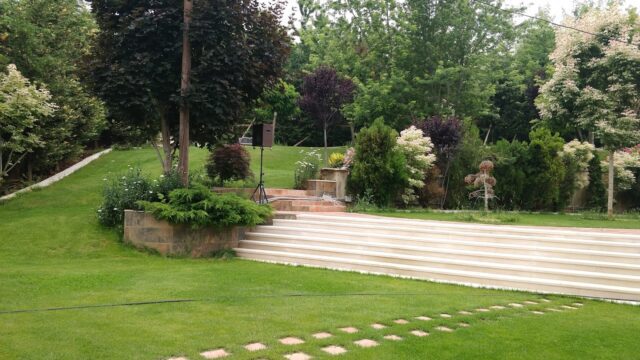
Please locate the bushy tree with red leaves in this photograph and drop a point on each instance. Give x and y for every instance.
(229, 163)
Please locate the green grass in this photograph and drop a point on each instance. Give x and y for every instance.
(587, 220)
(53, 253)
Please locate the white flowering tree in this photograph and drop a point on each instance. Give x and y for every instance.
(418, 152)
(579, 153)
(23, 107)
(596, 84)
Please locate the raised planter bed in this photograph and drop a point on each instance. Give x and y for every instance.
(144, 231)
(340, 178)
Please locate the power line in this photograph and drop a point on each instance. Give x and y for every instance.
(553, 23)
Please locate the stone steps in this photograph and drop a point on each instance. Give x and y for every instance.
(572, 261)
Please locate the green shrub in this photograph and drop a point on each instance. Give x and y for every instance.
(596, 190)
(125, 190)
(511, 163)
(306, 169)
(379, 169)
(199, 207)
(545, 170)
(229, 163)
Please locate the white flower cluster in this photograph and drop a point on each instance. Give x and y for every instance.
(418, 151)
(581, 153)
(624, 162)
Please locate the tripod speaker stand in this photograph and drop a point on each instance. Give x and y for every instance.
(263, 137)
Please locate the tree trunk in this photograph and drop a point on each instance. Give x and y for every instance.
(183, 162)
(165, 133)
(29, 169)
(353, 133)
(326, 149)
(486, 195)
(610, 192)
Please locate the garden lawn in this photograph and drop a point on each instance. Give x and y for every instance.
(587, 220)
(53, 254)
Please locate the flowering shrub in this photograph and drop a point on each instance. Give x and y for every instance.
(579, 153)
(417, 150)
(336, 160)
(124, 191)
(625, 161)
(306, 169)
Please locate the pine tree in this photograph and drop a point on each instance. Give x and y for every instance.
(596, 192)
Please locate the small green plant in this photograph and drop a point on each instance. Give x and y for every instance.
(336, 160)
(200, 207)
(365, 203)
(306, 169)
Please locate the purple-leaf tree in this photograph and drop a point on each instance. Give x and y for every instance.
(324, 93)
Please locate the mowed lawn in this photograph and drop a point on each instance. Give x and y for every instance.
(53, 253)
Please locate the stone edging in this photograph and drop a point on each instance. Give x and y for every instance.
(59, 176)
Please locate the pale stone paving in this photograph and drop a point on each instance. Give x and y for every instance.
(349, 330)
(255, 346)
(322, 335)
(423, 318)
(393, 337)
(334, 350)
(419, 333)
(444, 329)
(366, 343)
(291, 341)
(298, 356)
(214, 354)
(378, 326)
(400, 321)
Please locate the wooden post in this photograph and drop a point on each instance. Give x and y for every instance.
(183, 161)
(610, 192)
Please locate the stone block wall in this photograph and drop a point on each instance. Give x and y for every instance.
(144, 231)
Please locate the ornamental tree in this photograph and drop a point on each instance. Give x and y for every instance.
(237, 48)
(417, 150)
(596, 82)
(484, 181)
(324, 93)
(23, 110)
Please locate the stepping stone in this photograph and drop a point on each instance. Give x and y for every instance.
(446, 316)
(463, 312)
(419, 333)
(255, 346)
(569, 307)
(497, 307)
(291, 341)
(554, 309)
(516, 305)
(322, 335)
(444, 329)
(538, 312)
(546, 300)
(334, 350)
(366, 343)
(400, 321)
(423, 318)
(378, 326)
(214, 354)
(577, 304)
(349, 330)
(464, 325)
(393, 337)
(482, 310)
(298, 356)
(178, 358)
(531, 302)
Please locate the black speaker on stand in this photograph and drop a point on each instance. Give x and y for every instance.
(263, 137)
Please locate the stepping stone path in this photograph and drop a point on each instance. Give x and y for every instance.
(334, 350)
(291, 341)
(214, 354)
(255, 346)
(349, 330)
(577, 304)
(322, 335)
(366, 343)
(298, 356)
(393, 337)
(444, 329)
(420, 333)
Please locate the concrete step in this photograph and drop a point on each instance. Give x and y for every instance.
(550, 273)
(568, 233)
(522, 258)
(371, 230)
(447, 275)
(308, 205)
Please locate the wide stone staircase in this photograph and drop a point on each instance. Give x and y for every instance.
(591, 263)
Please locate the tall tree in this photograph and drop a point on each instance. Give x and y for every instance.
(596, 82)
(237, 48)
(185, 80)
(324, 93)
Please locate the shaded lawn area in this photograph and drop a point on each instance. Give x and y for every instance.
(53, 253)
(587, 220)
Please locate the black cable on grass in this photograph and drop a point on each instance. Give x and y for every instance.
(175, 301)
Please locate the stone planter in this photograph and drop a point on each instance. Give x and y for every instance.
(340, 177)
(144, 231)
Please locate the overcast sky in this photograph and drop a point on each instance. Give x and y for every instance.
(556, 7)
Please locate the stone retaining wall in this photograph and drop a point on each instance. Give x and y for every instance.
(144, 231)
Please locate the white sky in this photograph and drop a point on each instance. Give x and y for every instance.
(557, 7)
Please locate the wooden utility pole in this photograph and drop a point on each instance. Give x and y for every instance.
(183, 161)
